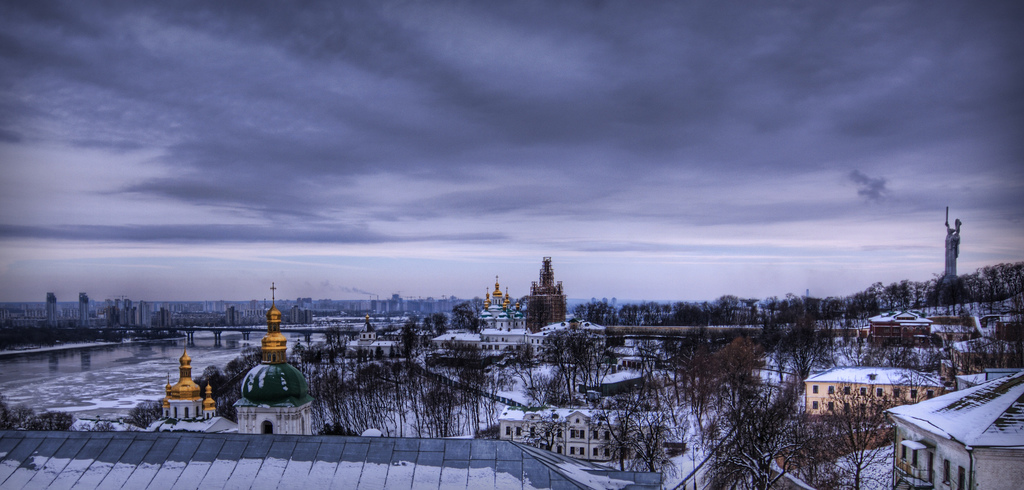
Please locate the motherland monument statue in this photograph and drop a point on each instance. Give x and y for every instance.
(952, 248)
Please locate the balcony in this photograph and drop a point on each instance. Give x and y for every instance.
(912, 466)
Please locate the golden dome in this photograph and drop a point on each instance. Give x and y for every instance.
(273, 314)
(274, 344)
(497, 289)
(185, 388)
(208, 403)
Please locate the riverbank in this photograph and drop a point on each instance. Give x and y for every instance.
(77, 345)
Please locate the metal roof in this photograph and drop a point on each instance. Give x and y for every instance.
(30, 459)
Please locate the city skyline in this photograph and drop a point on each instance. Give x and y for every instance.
(670, 152)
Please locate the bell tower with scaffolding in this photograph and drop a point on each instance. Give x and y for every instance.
(547, 300)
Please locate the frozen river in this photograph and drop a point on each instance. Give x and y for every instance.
(107, 381)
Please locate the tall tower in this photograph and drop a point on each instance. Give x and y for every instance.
(547, 300)
(275, 396)
(83, 310)
(51, 310)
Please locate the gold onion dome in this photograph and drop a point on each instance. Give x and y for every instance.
(185, 388)
(497, 289)
(274, 343)
(208, 403)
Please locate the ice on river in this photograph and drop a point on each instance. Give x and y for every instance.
(107, 381)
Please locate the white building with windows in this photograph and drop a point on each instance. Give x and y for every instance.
(968, 439)
(578, 433)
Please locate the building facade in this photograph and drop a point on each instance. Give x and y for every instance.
(275, 396)
(909, 327)
(573, 432)
(828, 391)
(968, 439)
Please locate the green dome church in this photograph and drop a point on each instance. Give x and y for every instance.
(275, 396)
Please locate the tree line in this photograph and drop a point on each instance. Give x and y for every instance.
(987, 287)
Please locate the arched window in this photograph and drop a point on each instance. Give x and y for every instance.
(268, 428)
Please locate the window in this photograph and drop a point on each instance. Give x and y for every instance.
(913, 394)
(268, 428)
(519, 431)
(960, 478)
(846, 390)
(831, 406)
(533, 431)
(896, 392)
(559, 433)
(607, 452)
(846, 406)
(878, 392)
(929, 393)
(831, 390)
(508, 430)
(945, 471)
(572, 449)
(595, 451)
(903, 452)
(593, 434)
(863, 391)
(814, 389)
(913, 458)
(607, 435)
(814, 405)
(559, 450)
(186, 412)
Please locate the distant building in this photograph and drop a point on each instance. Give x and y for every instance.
(51, 310)
(900, 327)
(973, 438)
(144, 316)
(370, 345)
(275, 396)
(823, 391)
(83, 310)
(498, 313)
(546, 304)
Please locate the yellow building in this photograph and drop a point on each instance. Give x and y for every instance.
(830, 390)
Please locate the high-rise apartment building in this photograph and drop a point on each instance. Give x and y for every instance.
(144, 314)
(83, 310)
(51, 310)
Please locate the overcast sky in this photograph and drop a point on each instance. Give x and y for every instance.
(654, 150)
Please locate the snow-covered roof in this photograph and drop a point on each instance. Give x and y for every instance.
(458, 337)
(164, 460)
(566, 324)
(901, 317)
(498, 331)
(987, 415)
(621, 376)
(882, 376)
(514, 414)
(212, 424)
(983, 344)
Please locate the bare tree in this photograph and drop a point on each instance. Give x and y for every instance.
(765, 434)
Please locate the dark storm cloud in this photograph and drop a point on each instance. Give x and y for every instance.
(870, 188)
(226, 233)
(238, 96)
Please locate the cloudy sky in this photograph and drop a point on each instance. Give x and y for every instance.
(655, 150)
